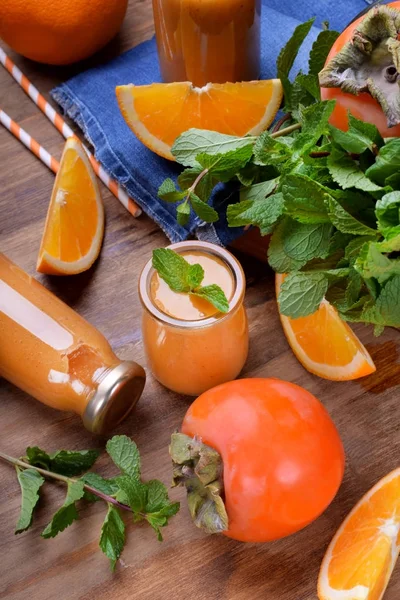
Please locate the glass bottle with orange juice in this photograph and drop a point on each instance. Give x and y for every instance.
(52, 353)
(190, 346)
(206, 41)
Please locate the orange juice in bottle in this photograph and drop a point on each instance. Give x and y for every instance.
(53, 354)
(206, 41)
(190, 346)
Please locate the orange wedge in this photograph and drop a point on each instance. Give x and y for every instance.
(74, 226)
(325, 345)
(362, 555)
(159, 113)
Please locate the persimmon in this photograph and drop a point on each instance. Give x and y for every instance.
(260, 458)
(362, 105)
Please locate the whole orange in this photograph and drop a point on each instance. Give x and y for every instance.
(59, 32)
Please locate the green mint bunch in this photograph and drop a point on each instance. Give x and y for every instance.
(329, 199)
(146, 501)
(184, 278)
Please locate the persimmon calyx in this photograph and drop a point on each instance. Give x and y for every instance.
(370, 62)
(199, 468)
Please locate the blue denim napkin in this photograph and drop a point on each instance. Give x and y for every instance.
(89, 99)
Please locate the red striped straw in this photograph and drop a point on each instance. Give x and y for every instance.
(28, 141)
(63, 127)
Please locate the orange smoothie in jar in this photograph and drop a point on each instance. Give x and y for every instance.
(190, 346)
(52, 353)
(206, 41)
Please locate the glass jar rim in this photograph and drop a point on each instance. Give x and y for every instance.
(218, 251)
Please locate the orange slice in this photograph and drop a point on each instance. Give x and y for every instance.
(325, 345)
(74, 226)
(363, 553)
(159, 113)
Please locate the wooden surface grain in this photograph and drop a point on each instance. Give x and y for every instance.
(187, 564)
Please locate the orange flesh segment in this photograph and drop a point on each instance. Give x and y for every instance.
(159, 113)
(73, 222)
(365, 548)
(326, 345)
(324, 337)
(75, 219)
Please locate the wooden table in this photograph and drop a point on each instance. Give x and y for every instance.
(188, 564)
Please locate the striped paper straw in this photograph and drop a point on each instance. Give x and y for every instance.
(29, 142)
(63, 127)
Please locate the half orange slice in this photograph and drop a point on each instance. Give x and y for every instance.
(74, 226)
(160, 112)
(324, 344)
(363, 553)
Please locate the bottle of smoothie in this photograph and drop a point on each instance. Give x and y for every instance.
(190, 346)
(53, 354)
(206, 41)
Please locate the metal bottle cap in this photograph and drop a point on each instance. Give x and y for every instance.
(115, 397)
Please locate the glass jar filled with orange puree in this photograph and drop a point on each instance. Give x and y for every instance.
(53, 354)
(190, 346)
(208, 41)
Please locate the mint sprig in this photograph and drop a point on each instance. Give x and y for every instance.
(329, 198)
(146, 501)
(185, 278)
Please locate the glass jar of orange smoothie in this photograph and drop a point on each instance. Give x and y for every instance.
(190, 346)
(208, 41)
(53, 354)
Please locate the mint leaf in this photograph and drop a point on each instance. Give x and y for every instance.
(125, 454)
(305, 199)
(263, 213)
(112, 538)
(213, 294)
(305, 241)
(387, 163)
(309, 83)
(271, 151)
(204, 186)
(302, 293)
(259, 191)
(372, 263)
(106, 486)
(160, 518)
(354, 247)
(195, 275)
(279, 260)
(38, 457)
(168, 192)
(158, 507)
(315, 123)
(387, 211)
(346, 172)
(203, 210)
(194, 142)
(64, 462)
(173, 269)
(320, 50)
(225, 166)
(157, 496)
(385, 311)
(344, 221)
(134, 491)
(71, 463)
(288, 55)
(30, 482)
(67, 514)
(359, 137)
(183, 213)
